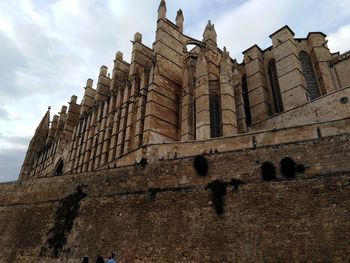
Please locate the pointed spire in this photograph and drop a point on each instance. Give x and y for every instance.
(225, 57)
(209, 34)
(225, 63)
(162, 10)
(46, 119)
(180, 20)
(43, 127)
(53, 129)
(225, 54)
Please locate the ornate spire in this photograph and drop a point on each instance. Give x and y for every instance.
(162, 10)
(209, 34)
(225, 53)
(44, 124)
(225, 63)
(180, 20)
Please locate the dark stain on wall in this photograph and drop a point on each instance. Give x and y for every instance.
(65, 215)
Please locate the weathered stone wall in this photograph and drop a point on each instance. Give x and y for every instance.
(155, 152)
(163, 212)
(342, 70)
(319, 110)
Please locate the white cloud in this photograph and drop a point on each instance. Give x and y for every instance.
(251, 23)
(4, 115)
(10, 164)
(340, 40)
(13, 142)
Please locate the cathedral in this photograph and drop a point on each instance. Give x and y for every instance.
(185, 90)
(134, 134)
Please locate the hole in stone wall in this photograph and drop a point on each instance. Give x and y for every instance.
(143, 161)
(268, 171)
(200, 164)
(300, 168)
(288, 167)
(344, 100)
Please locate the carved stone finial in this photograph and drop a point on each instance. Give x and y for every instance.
(180, 20)
(162, 10)
(119, 56)
(179, 13)
(89, 83)
(225, 63)
(73, 99)
(63, 109)
(103, 70)
(138, 37)
(209, 34)
(225, 53)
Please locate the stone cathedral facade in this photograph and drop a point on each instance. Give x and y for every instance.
(183, 89)
(119, 170)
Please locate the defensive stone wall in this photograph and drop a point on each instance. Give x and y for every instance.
(163, 211)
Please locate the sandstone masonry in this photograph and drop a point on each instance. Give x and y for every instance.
(115, 171)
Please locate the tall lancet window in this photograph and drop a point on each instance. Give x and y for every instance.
(245, 94)
(275, 87)
(215, 120)
(309, 75)
(59, 168)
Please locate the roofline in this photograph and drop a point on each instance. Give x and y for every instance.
(285, 27)
(255, 45)
(316, 32)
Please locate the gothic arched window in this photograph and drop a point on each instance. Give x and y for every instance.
(245, 94)
(309, 75)
(59, 168)
(215, 122)
(275, 87)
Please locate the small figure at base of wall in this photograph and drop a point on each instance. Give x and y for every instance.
(111, 258)
(100, 259)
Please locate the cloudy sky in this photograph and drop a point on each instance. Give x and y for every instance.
(48, 48)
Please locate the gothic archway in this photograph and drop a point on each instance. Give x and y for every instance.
(58, 168)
